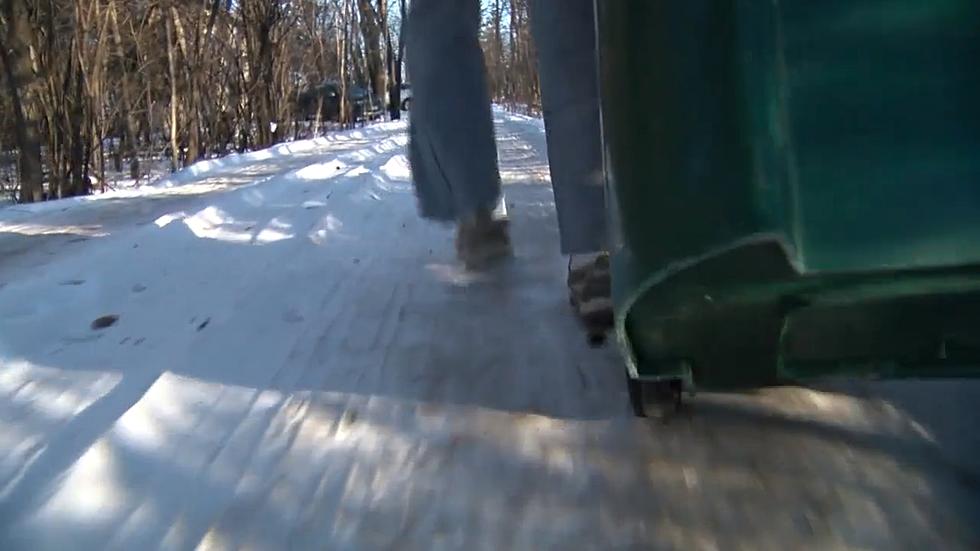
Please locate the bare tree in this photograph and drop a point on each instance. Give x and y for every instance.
(371, 31)
(510, 54)
(17, 72)
(88, 81)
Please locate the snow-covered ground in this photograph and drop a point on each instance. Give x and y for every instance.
(298, 362)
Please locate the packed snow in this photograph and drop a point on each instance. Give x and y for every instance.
(272, 350)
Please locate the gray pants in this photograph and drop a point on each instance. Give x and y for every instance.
(452, 149)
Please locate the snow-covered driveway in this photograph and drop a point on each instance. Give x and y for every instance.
(298, 363)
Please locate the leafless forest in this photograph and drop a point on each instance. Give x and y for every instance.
(107, 86)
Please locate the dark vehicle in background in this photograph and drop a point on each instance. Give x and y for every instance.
(406, 97)
(364, 105)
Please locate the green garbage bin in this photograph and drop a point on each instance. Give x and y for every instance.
(794, 187)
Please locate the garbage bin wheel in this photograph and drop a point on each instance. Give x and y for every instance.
(659, 399)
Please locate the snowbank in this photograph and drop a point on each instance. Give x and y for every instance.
(189, 180)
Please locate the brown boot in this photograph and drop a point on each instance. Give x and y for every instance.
(590, 294)
(482, 241)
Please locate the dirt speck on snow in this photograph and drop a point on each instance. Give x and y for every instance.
(105, 321)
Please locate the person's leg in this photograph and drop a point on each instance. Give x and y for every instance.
(452, 149)
(564, 33)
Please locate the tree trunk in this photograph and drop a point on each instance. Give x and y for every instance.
(497, 52)
(130, 139)
(394, 98)
(172, 66)
(17, 72)
(342, 56)
(194, 125)
(78, 160)
(371, 34)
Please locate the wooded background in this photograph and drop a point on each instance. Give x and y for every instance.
(97, 86)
